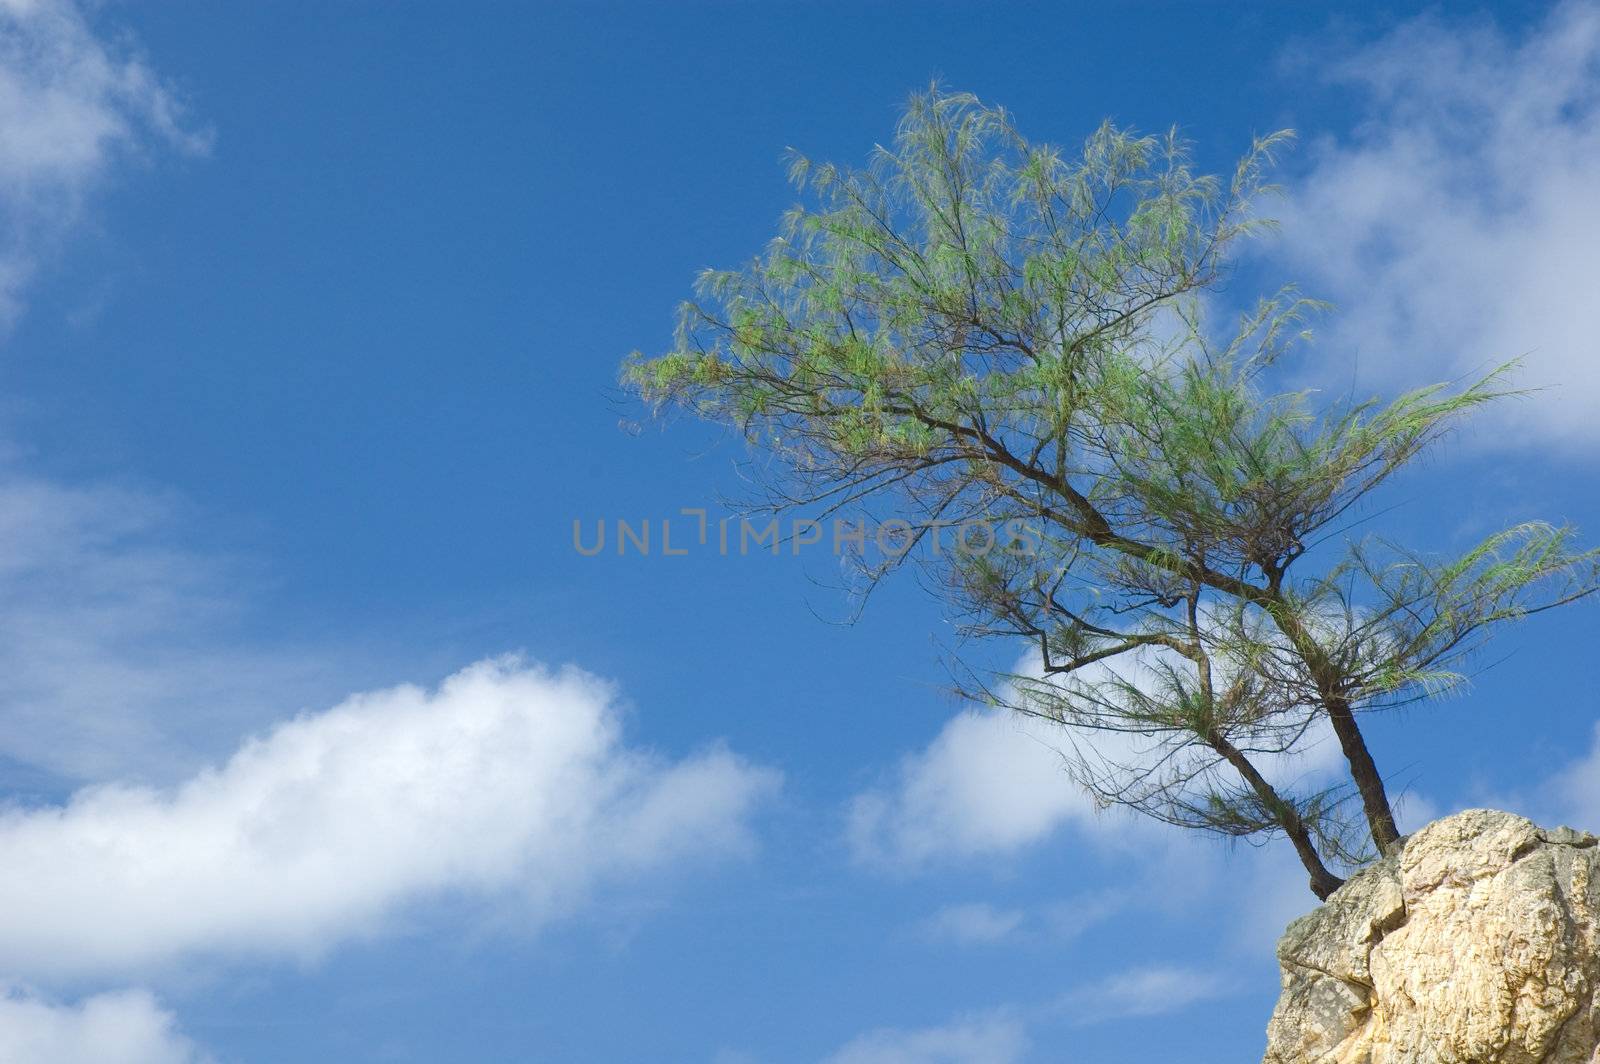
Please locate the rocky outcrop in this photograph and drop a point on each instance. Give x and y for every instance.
(1478, 942)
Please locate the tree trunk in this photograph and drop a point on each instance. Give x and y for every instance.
(1363, 770)
(1374, 798)
(1323, 882)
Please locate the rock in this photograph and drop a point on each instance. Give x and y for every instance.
(1477, 942)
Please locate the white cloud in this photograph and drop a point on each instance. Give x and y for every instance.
(995, 782)
(973, 922)
(1075, 915)
(102, 631)
(982, 923)
(993, 785)
(1268, 894)
(1414, 811)
(1002, 1036)
(507, 780)
(989, 783)
(1456, 227)
(1150, 991)
(1577, 789)
(126, 1027)
(71, 105)
(995, 1038)
(120, 650)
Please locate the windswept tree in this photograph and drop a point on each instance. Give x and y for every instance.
(976, 327)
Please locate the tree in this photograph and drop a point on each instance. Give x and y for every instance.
(976, 327)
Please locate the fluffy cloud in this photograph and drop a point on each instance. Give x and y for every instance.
(1456, 226)
(71, 105)
(995, 782)
(989, 783)
(127, 1027)
(996, 1038)
(507, 780)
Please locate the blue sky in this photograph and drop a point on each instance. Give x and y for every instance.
(318, 740)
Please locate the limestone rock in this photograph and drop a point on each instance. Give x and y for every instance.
(1477, 942)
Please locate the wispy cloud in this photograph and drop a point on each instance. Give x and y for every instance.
(1005, 1035)
(121, 649)
(990, 1038)
(125, 1027)
(1073, 916)
(983, 923)
(1456, 226)
(508, 780)
(72, 105)
(1577, 788)
(1149, 991)
(973, 922)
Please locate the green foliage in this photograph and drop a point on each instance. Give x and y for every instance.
(976, 326)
